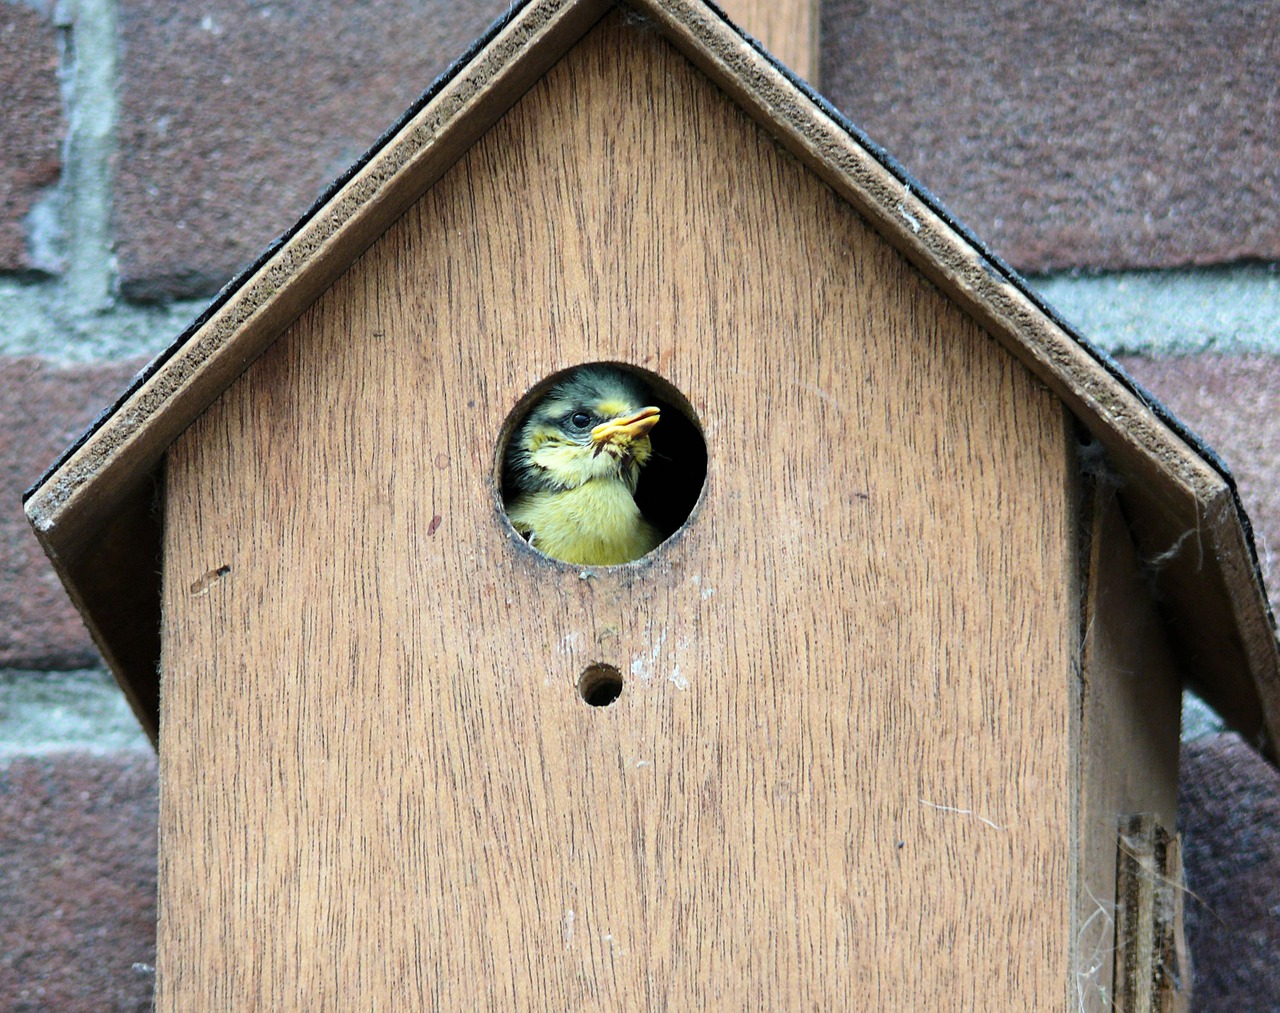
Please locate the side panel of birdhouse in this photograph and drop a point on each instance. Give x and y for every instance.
(839, 770)
(1130, 713)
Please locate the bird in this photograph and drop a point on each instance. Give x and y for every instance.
(573, 465)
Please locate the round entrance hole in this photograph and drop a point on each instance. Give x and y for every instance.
(584, 445)
(600, 685)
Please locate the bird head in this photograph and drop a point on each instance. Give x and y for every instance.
(593, 424)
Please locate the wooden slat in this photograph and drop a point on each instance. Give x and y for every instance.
(1152, 968)
(842, 738)
(1136, 872)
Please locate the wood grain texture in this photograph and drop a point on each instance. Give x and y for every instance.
(1131, 698)
(786, 28)
(838, 772)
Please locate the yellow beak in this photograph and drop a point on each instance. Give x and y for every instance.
(630, 428)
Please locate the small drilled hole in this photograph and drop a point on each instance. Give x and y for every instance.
(600, 685)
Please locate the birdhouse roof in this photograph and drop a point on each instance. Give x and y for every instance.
(95, 511)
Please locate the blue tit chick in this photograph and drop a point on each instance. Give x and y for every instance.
(574, 464)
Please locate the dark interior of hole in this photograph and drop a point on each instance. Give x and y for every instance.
(601, 687)
(671, 482)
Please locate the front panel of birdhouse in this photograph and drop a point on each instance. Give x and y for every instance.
(834, 775)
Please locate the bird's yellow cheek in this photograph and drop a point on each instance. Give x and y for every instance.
(571, 465)
(567, 463)
(623, 456)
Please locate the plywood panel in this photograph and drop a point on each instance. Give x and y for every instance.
(1130, 704)
(837, 774)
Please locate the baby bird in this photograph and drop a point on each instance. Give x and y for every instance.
(574, 463)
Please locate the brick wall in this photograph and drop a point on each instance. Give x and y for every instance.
(1124, 155)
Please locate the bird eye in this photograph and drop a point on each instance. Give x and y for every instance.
(580, 419)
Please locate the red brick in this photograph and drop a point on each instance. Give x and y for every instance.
(235, 116)
(30, 123)
(43, 409)
(1076, 135)
(1230, 813)
(1108, 137)
(77, 882)
(1233, 402)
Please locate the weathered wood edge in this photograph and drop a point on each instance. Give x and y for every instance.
(1167, 475)
(1152, 964)
(1135, 909)
(1082, 496)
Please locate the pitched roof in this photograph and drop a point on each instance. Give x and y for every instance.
(94, 511)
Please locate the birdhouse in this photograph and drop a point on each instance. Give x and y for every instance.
(884, 715)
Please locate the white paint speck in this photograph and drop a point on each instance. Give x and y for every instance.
(910, 219)
(814, 389)
(571, 642)
(568, 926)
(643, 667)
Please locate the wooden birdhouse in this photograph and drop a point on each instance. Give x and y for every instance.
(888, 720)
